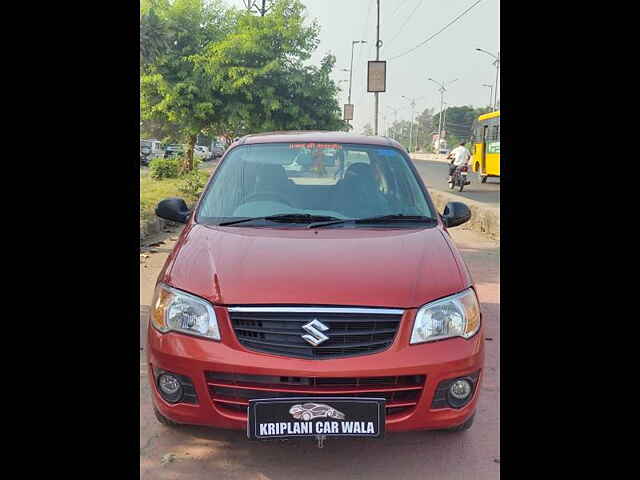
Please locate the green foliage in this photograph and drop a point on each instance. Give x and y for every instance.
(458, 122)
(193, 183)
(160, 168)
(226, 72)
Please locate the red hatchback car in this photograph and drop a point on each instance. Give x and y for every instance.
(315, 269)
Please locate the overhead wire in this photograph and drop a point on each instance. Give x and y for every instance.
(438, 32)
(409, 17)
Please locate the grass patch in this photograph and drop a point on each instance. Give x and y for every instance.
(152, 191)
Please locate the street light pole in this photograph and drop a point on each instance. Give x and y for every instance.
(413, 104)
(442, 89)
(490, 93)
(377, 58)
(395, 112)
(353, 43)
(496, 62)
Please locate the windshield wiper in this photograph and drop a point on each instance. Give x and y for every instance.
(379, 219)
(285, 218)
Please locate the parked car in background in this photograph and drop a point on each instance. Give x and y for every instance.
(202, 152)
(150, 149)
(174, 150)
(217, 149)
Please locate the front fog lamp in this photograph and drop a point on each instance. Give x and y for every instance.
(460, 389)
(454, 316)
(174, 310)
(170, 387)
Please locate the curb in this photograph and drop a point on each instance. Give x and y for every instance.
(431, 157)
(485, 220)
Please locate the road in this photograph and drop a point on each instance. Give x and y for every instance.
(190, 453)
(434, 174)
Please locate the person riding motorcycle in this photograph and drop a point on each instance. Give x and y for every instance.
(459, 157)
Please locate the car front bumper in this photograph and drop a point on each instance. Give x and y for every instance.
(193, 357)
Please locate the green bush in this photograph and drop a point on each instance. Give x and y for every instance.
(193, 184)
(164, 168)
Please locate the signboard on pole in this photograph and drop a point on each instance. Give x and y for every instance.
(348, 111)
(377, 76)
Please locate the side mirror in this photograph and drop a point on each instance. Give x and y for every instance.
(174, 209)
(455, 213)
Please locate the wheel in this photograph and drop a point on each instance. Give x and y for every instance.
(461, 428)
(483, 179)
(164, 420)
(306, 416)
(461, 182)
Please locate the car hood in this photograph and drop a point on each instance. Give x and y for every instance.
(331, 266)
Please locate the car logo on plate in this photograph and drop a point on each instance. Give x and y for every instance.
(314, 331)
(309, 411)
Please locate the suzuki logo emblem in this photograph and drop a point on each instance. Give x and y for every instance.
(314, 331)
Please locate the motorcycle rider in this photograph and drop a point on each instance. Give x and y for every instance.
(459, 156)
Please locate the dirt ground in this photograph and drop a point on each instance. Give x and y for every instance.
(190, 453)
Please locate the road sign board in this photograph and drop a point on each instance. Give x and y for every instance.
(348, 111)
(377, 76)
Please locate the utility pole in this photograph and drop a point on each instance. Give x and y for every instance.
(413, 105)
(353, 42)
(377, 58)
(395, 112)
(442, 89)
(496, 62)
(490, 93)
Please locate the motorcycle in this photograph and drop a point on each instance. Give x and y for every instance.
(459, 178)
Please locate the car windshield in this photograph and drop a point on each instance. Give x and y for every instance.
(311, 182)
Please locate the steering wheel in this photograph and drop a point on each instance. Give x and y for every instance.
(268, 196)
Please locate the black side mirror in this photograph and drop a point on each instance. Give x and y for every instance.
(174, 209)
(455, 213)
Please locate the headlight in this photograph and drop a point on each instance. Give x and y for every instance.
(454, 316)
(173, 310)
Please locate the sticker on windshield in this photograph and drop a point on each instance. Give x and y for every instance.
(331, 146)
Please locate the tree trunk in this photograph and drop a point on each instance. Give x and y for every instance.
(189, 164)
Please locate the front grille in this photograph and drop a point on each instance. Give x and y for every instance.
(351, 331)
(232, 392)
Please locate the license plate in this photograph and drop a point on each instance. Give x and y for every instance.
(308, 417)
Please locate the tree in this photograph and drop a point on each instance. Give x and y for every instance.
(367, 130)
(459, 121)
(228, 72)
(155, 37)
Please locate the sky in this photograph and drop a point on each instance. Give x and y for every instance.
(403, 25)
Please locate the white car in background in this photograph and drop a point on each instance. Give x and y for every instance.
(202, 152)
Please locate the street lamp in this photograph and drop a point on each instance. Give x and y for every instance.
(413, 104)
(490, 92)
(496, 62)
(353, 43)
(395, 112)
(442, 89)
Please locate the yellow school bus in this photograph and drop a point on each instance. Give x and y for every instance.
(485, 154)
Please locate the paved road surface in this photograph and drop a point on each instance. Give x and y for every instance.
(434, 174)
(200, 453)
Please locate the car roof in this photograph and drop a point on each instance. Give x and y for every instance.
(317, 136)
